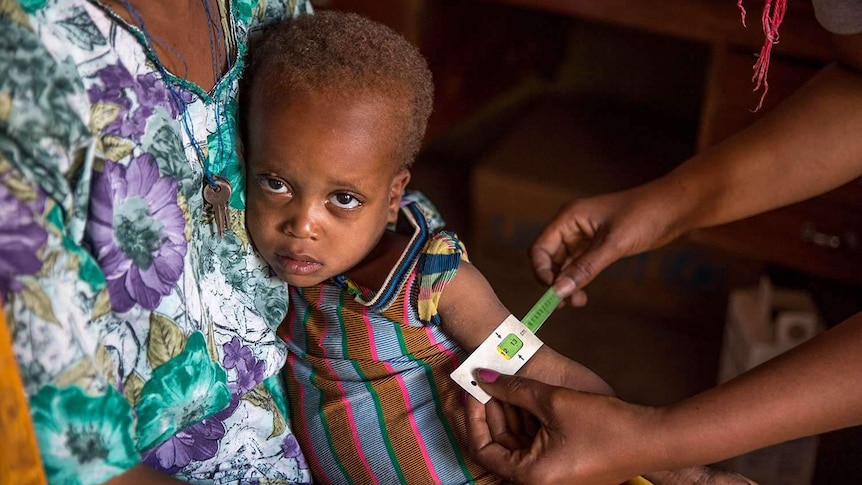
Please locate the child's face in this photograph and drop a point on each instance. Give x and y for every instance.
(323, 182)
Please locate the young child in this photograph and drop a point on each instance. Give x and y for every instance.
(383, 304)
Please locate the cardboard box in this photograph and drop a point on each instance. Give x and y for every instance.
(561, 149)
(763, 322)
(567, 147)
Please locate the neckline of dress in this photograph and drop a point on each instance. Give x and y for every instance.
(398, 275)
(230, 39)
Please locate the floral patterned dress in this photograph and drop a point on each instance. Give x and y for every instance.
(140, 334)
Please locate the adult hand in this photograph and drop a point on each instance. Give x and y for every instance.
(579, 439)
(582, 438)
(803, 148)
(587, 235)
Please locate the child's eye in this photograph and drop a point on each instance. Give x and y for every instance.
(272, 184)
(345, 201)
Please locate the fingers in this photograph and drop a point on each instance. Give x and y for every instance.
(503, 425)
(531, 424)
(510, 419)
(589, 264)
(557, 243)
(516, 419)
(544, 257)
(578, 299)
(566, 289)
(570, 248)
(477, 423)
(491, 454)
(519, 391)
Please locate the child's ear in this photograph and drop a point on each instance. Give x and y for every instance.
(396, 191)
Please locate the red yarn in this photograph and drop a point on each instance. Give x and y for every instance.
(773, 14)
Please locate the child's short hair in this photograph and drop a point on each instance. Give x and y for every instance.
(342, 52)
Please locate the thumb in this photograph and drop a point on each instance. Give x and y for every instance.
(589, 264)
(519, 391)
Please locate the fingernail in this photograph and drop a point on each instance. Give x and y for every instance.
(487, 375)
(564, 286)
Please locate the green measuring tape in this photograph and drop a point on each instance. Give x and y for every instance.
(511, 343)
(509, 346)
(541, 310)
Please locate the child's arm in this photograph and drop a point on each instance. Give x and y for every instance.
(470, 311)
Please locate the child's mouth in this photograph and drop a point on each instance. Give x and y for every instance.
(297, 265)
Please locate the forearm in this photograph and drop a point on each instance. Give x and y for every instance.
(806, 146)
(809, 390)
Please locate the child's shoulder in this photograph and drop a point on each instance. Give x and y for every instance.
(445, 243)
(439, 259)
(442, 251)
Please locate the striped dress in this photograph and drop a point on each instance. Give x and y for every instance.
(368, 372)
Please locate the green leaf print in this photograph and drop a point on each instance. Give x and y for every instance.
(163, 142)
(166, 340)
(132, 388)
(88, 370)
(102, 114)
(37, 301)
(181, 392)
(32, 6)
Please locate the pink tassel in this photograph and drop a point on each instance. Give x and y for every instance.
(773, 14)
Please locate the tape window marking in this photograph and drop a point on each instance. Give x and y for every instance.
(506, 350)
(508, 347)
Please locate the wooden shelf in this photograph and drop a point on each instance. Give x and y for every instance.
(704, 20)
(515, 40)
(799, 236)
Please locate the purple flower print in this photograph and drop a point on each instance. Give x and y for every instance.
(198, 442)
(291, 449)
(231, 407)
(115, 79)
(20, 238)
(115, 82)
(250, 374)
(151, 92)
(137, 99)
(137, 232)
(234, 352)
(248, 369)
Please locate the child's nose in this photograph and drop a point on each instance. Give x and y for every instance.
(300, 221)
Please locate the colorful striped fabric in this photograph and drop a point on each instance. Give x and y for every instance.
(368, 373)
